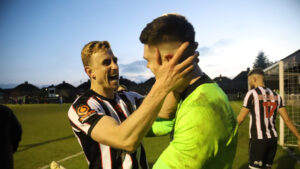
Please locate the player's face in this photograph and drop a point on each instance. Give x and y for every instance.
(149, 56)
(105, 69)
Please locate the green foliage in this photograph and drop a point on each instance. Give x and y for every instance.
(262, 61)
(47, 136)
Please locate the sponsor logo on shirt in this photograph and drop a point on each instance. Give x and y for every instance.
(84, 112)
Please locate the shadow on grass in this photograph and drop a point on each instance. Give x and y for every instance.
(29, 146)
(150, 165)
(244, 166)
(286, 161)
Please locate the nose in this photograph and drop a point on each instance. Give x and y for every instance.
(114, 65)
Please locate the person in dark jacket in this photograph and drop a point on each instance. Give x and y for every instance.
(12, 132)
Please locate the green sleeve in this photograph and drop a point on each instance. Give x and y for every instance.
(161, 127)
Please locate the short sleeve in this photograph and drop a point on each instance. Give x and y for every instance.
(135, 99)
(84, 116)
(248, 100)
(161, 127)
(280, 102)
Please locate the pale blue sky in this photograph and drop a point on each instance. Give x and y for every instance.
(41, 40)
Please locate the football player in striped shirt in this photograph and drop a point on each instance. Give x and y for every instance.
(109, 125)
(263, 104)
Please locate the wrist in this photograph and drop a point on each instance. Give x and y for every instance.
(161, 88)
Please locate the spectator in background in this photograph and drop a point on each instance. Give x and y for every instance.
(11, 137)
(61, 100)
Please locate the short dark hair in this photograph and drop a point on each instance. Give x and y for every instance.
(257, 71)
(168, 28)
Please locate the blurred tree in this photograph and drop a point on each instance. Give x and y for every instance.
(262, 61)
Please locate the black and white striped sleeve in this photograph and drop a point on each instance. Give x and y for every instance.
(280, 102)
(248, 100)
(135, 98)
(84, 115)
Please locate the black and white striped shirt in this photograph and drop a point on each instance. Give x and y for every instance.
(84, 114)
(264, 105)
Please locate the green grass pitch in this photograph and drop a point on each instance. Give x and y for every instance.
(47, 136)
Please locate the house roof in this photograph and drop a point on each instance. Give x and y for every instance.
(85, 85)
(294, 57)
(65, 85)
(222, 79)
(242, 75)
(291, 62)
(26, 87)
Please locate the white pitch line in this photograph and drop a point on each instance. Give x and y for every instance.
(62, 160)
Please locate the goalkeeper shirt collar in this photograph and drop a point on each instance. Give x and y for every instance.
(202, 80)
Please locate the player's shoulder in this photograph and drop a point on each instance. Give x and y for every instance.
(83, 99)
(251, 91)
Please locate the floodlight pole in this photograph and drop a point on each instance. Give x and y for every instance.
(281, 91)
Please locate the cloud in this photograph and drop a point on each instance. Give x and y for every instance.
(136, 71)
(137, 66)
(215, 48)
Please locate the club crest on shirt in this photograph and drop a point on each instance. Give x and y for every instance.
(84, 112)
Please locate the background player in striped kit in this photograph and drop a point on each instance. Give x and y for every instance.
(263, 105)
(110, 126)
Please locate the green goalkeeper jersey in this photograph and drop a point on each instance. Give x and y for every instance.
(205, 130)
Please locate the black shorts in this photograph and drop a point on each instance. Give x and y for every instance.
(262, 152)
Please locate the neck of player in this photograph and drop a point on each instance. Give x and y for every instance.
(196, 74)
(105, 92)
(259, 84)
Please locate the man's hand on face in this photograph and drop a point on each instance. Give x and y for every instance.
(173, 74)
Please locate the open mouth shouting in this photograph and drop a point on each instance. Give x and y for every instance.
(113, 78)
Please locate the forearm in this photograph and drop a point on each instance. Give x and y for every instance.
(242, 115)
(288, 122)
(138, 124)
(292, 127)
(240, 120)
(169, 106)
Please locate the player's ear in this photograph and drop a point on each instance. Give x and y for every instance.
(168, 57)
(89, 71)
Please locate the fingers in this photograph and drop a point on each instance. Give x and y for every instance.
(179, 52)
(196, 54)
(189, 61)
(186, 71)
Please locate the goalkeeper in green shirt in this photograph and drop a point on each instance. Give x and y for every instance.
(204, 130)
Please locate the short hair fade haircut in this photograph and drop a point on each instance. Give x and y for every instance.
(256, 71)
(92, 47)
(168, 28)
